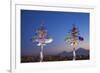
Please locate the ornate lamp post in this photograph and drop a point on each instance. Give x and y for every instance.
(42, 38)
(73, 39)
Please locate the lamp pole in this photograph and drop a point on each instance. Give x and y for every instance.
(41, 53)
(74, 54)
(73, 38)
(42, 38)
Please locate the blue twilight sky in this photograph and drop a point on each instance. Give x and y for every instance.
(58, 25)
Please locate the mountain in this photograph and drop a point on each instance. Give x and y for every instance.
(79, 52)
(65, 53)
(82, 51)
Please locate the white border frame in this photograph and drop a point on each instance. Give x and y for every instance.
(15, 39)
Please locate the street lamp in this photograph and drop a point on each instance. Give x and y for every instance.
(73, 39)
(42, 38)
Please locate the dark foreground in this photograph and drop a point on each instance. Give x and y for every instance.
(26, 59)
